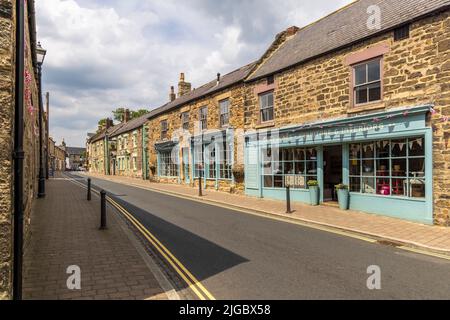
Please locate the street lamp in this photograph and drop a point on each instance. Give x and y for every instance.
(40, 52)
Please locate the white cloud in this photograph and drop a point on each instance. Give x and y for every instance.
(103, 54)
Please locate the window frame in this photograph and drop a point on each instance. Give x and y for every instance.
(354, 86)
(261, 109)
(391, 159)
(167, 168)
(203, 117)
(185, 119)
(222, 114)
(164, 129)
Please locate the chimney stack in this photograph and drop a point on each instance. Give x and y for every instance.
(291, 31)
(172, 95)
(126, 116)
(218, 78)
(183, 86)
(109, 123)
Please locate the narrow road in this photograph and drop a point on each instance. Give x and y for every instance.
(241, 256)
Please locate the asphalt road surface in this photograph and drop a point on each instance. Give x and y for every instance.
(241, 256)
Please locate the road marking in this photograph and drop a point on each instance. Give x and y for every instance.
(194, 284)
(286, 220)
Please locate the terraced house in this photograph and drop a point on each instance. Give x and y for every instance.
(193, 136)
(359, 97)
(128, 149)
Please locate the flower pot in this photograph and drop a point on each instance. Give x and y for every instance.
(314, 195)
(343, 198)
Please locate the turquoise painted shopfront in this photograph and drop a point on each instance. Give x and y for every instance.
(384, 158)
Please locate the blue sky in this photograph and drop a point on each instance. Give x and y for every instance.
(104, 54)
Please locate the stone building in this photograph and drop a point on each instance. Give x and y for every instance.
(96, 149)
(367, 107)
(193, 136)
(357, 97)
(8, 194)
(127, 157)
(57, 157)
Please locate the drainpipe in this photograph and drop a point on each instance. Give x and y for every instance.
(41, 186)
(144, 152)
(47, 129)
(18, 151)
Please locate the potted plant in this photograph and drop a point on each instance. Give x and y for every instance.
(343, 196)
(152, 168)
(238, 172)
(313, 186)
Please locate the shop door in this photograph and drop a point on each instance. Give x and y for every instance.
(185, 155)
(332, 171)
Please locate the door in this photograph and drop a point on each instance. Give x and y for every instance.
(185, 155)
(332, 171)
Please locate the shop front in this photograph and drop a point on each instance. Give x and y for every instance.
(384, 158)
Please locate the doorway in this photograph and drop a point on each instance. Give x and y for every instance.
(185, 156)
(332, 171)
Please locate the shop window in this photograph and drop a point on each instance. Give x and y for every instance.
(266, 107)
(198, 161)
(211, 161)
(389, 168)
(168, 164)
(367, 82)
(225, 161)
(294, 167)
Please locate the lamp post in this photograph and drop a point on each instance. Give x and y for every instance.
(41, 52)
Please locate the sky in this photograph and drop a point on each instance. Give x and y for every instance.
(105, 54)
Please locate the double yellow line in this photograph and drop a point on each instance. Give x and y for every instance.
(195, 285)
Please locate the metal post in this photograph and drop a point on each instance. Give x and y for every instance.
(103, 210)
(288, 199)
(200, 193)
(89, 190)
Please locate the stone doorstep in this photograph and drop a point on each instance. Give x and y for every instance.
(375, 236)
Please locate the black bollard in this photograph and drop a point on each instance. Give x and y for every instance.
(103, 210)
(288, 199)
(89, 190)
(200, 193)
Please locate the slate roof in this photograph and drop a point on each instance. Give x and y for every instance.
(75, 151)
(209, 88)
(111, 131)
(131, 125)
(342, 28)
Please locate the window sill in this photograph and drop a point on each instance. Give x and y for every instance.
(367, 107)
(264, 125)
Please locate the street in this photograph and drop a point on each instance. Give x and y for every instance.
(241, 256)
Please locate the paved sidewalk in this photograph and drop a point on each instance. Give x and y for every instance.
(65, 232)
(412, 234)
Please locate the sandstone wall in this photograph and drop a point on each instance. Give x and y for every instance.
(236, 98)
(416, 71)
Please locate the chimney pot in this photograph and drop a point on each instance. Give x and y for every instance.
(218, 78)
